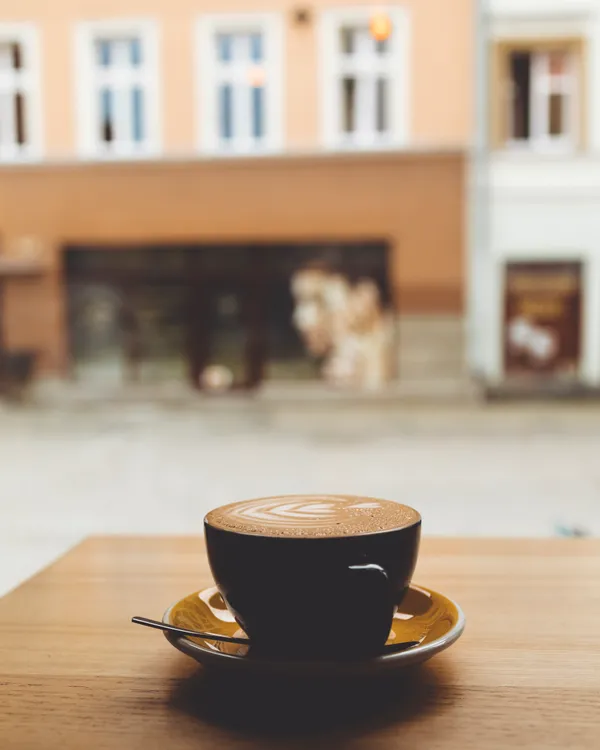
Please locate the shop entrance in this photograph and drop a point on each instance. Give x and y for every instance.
(543, 311)
(217, 316)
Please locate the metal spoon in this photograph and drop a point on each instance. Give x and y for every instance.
(394, 647)
(193, 633)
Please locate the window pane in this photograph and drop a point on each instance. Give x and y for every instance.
(95, 328)
(382, 46)
(256, 47)
(228, 327)
(347, 38)
(136, 52)
(258, 111)
(104, 52)
(138, 114)
(107, 134)
(17, 57)
(20, 119)
(11, 57)
(225, 107)
(349, 104)
(520, 82)
(382, 105)
(556, 114)
(224, 45)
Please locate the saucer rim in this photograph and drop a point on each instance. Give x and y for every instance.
(419, 653)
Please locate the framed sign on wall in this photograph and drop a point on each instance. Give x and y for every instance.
(543, 319)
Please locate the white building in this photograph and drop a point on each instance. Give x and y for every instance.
(535, 195)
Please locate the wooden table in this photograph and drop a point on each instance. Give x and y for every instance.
(74, 673)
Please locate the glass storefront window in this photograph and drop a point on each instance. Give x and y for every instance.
(287, 355)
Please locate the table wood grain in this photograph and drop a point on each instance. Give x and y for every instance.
(74, 673)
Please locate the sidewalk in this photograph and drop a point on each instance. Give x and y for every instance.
(65, 394)
(518, 470)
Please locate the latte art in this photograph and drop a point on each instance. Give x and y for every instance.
(302, 512)
(313, 516)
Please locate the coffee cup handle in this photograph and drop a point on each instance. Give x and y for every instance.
(376, 594)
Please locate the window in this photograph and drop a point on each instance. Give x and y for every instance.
(240, 88)
(541, 98)
(363, 84)
(117, 92)
(240, 83)
(365, 79)
(19, 87)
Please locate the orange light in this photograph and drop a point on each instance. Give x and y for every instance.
(256, 76)
(380, 27)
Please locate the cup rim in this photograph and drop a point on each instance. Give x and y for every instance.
(240, 532)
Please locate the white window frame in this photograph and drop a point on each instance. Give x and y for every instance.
(332, 67)
(28, 37)
(89, 144)
(541, 88)
(270, 25)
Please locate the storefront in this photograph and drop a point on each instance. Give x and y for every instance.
(344, 268)
(231, 315)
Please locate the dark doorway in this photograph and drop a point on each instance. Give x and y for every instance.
(543, 319)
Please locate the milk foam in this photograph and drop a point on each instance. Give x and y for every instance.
(313, 515)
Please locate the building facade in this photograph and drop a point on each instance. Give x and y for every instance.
(231, 197)
(535, 194)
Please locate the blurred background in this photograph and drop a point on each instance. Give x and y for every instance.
(297, 247)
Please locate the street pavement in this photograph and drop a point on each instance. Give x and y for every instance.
(501, 470)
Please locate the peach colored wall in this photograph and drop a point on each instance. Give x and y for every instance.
(441, 65)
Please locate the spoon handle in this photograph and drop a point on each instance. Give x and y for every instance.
(394, 647)
(182, 631)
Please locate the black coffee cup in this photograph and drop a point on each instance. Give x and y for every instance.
(314, 597)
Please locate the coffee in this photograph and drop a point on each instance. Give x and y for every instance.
(312, 516)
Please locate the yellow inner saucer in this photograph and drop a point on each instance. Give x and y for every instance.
(424, 616)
